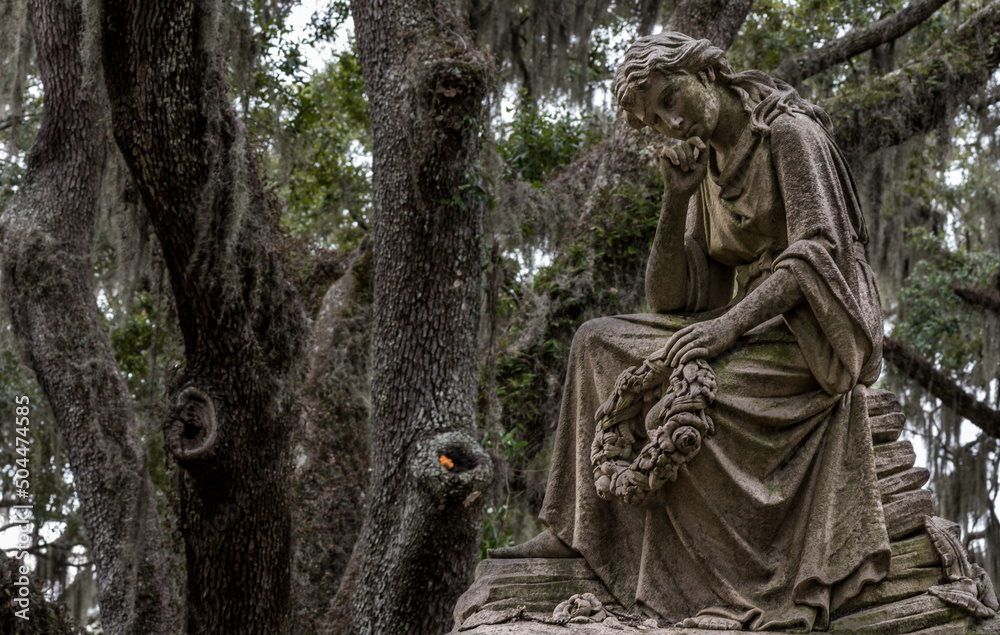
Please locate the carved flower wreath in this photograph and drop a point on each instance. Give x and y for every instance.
(676, 426)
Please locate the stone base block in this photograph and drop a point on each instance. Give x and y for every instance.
(538, 584)
(891, 458)
(905, 513)
(911, 615)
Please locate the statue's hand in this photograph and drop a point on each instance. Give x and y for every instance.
(684, 166)
(703, 339)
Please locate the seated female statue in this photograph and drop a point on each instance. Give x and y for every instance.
(758, 267)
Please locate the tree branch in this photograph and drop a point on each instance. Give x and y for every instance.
(795, 69)
(921, 370)
(981, 297)
(888, 110)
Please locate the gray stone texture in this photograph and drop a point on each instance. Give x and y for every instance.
(742, 473)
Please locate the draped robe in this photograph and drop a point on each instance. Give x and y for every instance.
(779, 521)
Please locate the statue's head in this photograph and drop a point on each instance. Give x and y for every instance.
(653, 58)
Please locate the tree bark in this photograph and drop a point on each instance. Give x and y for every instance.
(981, 297)
(331, 452)
(918, 98)
(712, 19)
(795, 69)
(47, 276)
(426, 82)
(231, 414)
(951, 394)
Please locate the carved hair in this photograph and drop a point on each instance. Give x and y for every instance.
(671, 53)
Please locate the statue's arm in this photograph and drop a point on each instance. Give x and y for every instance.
(778, 294)
(666, 270)
(680, 277)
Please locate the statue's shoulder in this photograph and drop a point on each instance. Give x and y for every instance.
(796, 125)
(796, 136)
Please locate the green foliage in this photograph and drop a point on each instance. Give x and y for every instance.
(139, 339)
(776, 28)
(616, 242)
(311, 125)
(497, 529)
(935, 320)
(327, 188)
(537, 142)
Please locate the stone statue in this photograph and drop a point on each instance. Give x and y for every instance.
(714, 463)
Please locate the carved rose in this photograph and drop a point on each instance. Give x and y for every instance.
(580, 608)
(687, 440)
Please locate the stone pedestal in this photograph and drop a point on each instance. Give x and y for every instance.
(927, 589)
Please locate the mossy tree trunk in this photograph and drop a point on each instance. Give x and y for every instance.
(47, 284)
(426, 82)
(716, 20)
(231, 410)
(331, 450)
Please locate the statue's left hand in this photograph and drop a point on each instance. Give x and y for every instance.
(704, 339)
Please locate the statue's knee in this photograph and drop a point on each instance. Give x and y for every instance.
(590, 332)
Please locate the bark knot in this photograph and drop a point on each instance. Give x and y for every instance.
(192, 427)
(451, 466)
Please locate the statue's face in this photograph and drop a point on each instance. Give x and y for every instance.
(679, 106)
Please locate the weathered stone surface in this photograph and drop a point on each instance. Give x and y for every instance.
(958, 627)
(881, 402)
(913, 553)
(892, 589)
(741, 201)
(904, 513)
(538, 584)
(912, 479)
(913, 569)
(887, 427)
(906, 616)
(891, 458)
(536, 628)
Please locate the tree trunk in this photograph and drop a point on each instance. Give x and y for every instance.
(426, 82)
(47, 278)
(332, 449)
(716, 20)
(230, 412)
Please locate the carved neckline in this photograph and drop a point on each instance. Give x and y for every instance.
(730, 179)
